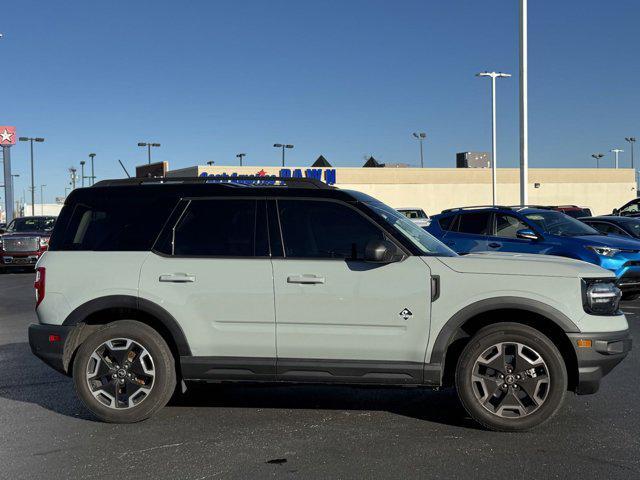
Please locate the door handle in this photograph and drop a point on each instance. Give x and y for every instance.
(177, 278)
(306, 279)
(495, 245)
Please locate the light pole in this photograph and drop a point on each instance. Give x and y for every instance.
(240, 156)
(33, 187)
(72, 174)
(210, 163)
(283, 146)
(93, 177)
(42, 199)
(597, 156)
(148, 145)
(82, 177)
(616, 151)
(13, 175)
(494, 147)
(524, 105)
(420, 136)
(631, 141)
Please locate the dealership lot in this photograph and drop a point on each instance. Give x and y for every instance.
(305, 431)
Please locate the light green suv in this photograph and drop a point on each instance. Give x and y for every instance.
(149, 283)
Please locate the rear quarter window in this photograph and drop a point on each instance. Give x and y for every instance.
(111, 224)
(447, 223)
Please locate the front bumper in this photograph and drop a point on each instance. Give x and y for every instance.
(47, 343)
(22, 259)
(607, 350)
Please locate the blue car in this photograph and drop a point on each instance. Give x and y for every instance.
(539, 230)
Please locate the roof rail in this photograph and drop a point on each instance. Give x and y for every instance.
(474, 207)
(235, 181)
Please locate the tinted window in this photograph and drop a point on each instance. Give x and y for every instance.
(32, 224)
(476, 223)
(116, 224)
(557, 223)
(316, 229)
(447, 223)
(229, 228)
(607, 228)
(507, 226)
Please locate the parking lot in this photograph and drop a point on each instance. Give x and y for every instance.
(304, 431)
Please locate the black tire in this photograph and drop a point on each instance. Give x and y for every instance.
(629, 297)
(163, 381)
(474, 398)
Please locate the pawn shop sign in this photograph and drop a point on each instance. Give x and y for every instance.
(7, 135)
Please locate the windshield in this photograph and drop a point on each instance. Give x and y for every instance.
(31, 224)
(425, 242)
(413, 213)
(557, 223)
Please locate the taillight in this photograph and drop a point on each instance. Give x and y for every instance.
(39, 284)
(44, 242)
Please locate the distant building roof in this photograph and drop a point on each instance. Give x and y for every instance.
(321, 162)
(372, 163)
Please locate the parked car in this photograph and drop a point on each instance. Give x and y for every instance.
(416, 215)
(24, 240)
(542, 231)
(573, 210)
(613, 225)
(629, 209)
(149, 283)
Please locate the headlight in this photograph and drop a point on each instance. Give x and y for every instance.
(601, 297)
(604, 251)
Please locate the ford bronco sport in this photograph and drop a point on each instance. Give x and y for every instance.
(151, 282)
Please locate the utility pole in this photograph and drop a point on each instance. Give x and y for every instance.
(493, 76)
(616, 151)
(33, 186)
(524, 105)
(420, 136)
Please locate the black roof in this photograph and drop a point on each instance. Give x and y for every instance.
(372, 163)
(321, 162)
(209, 187)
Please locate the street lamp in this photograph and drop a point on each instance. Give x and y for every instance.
(240, 156)
(616, 151)
(420, 136)
(82, 176)
(33, 187)
(631, 140)
(524, 104)
(93, 177)
(494, 154)
(597, 156)
(148, 145)
(210, 163)
(283, 146)
(72, 174)
(42, 199)
(13, 175)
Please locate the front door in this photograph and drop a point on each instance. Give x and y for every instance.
(338, 317)
(504, 237)
(214, 276)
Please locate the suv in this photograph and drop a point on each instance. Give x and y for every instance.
(24, 240)
(573, 210)
(540, 230)
(289, 280)
(629, 209)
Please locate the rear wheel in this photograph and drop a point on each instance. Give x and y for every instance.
(124, 372)
(511, 377)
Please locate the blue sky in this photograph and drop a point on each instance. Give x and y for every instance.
(209, 79)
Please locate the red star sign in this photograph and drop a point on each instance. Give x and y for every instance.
(7, 135)
(262, 173)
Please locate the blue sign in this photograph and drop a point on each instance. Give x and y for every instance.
(328, 175)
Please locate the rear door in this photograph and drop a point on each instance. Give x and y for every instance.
(213, 274)
(470, 232)
(340, 318)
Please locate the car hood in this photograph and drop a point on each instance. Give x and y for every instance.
(503, 263)
(613, 241)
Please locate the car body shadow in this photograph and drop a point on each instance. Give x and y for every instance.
(36, 383)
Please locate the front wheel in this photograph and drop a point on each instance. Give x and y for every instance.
(511, 377)
(124, 372)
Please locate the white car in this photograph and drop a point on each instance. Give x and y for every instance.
(416, 215)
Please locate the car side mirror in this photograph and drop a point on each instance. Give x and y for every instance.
(527, 234)
(381, 251)
(615, 212)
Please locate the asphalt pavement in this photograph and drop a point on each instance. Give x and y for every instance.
(248, 431)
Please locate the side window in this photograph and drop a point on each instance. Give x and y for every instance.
(476, 223)
(507, 226)
(607, 228)
(226, 228)
(633, 208)
(318, 229)
(447, 223)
